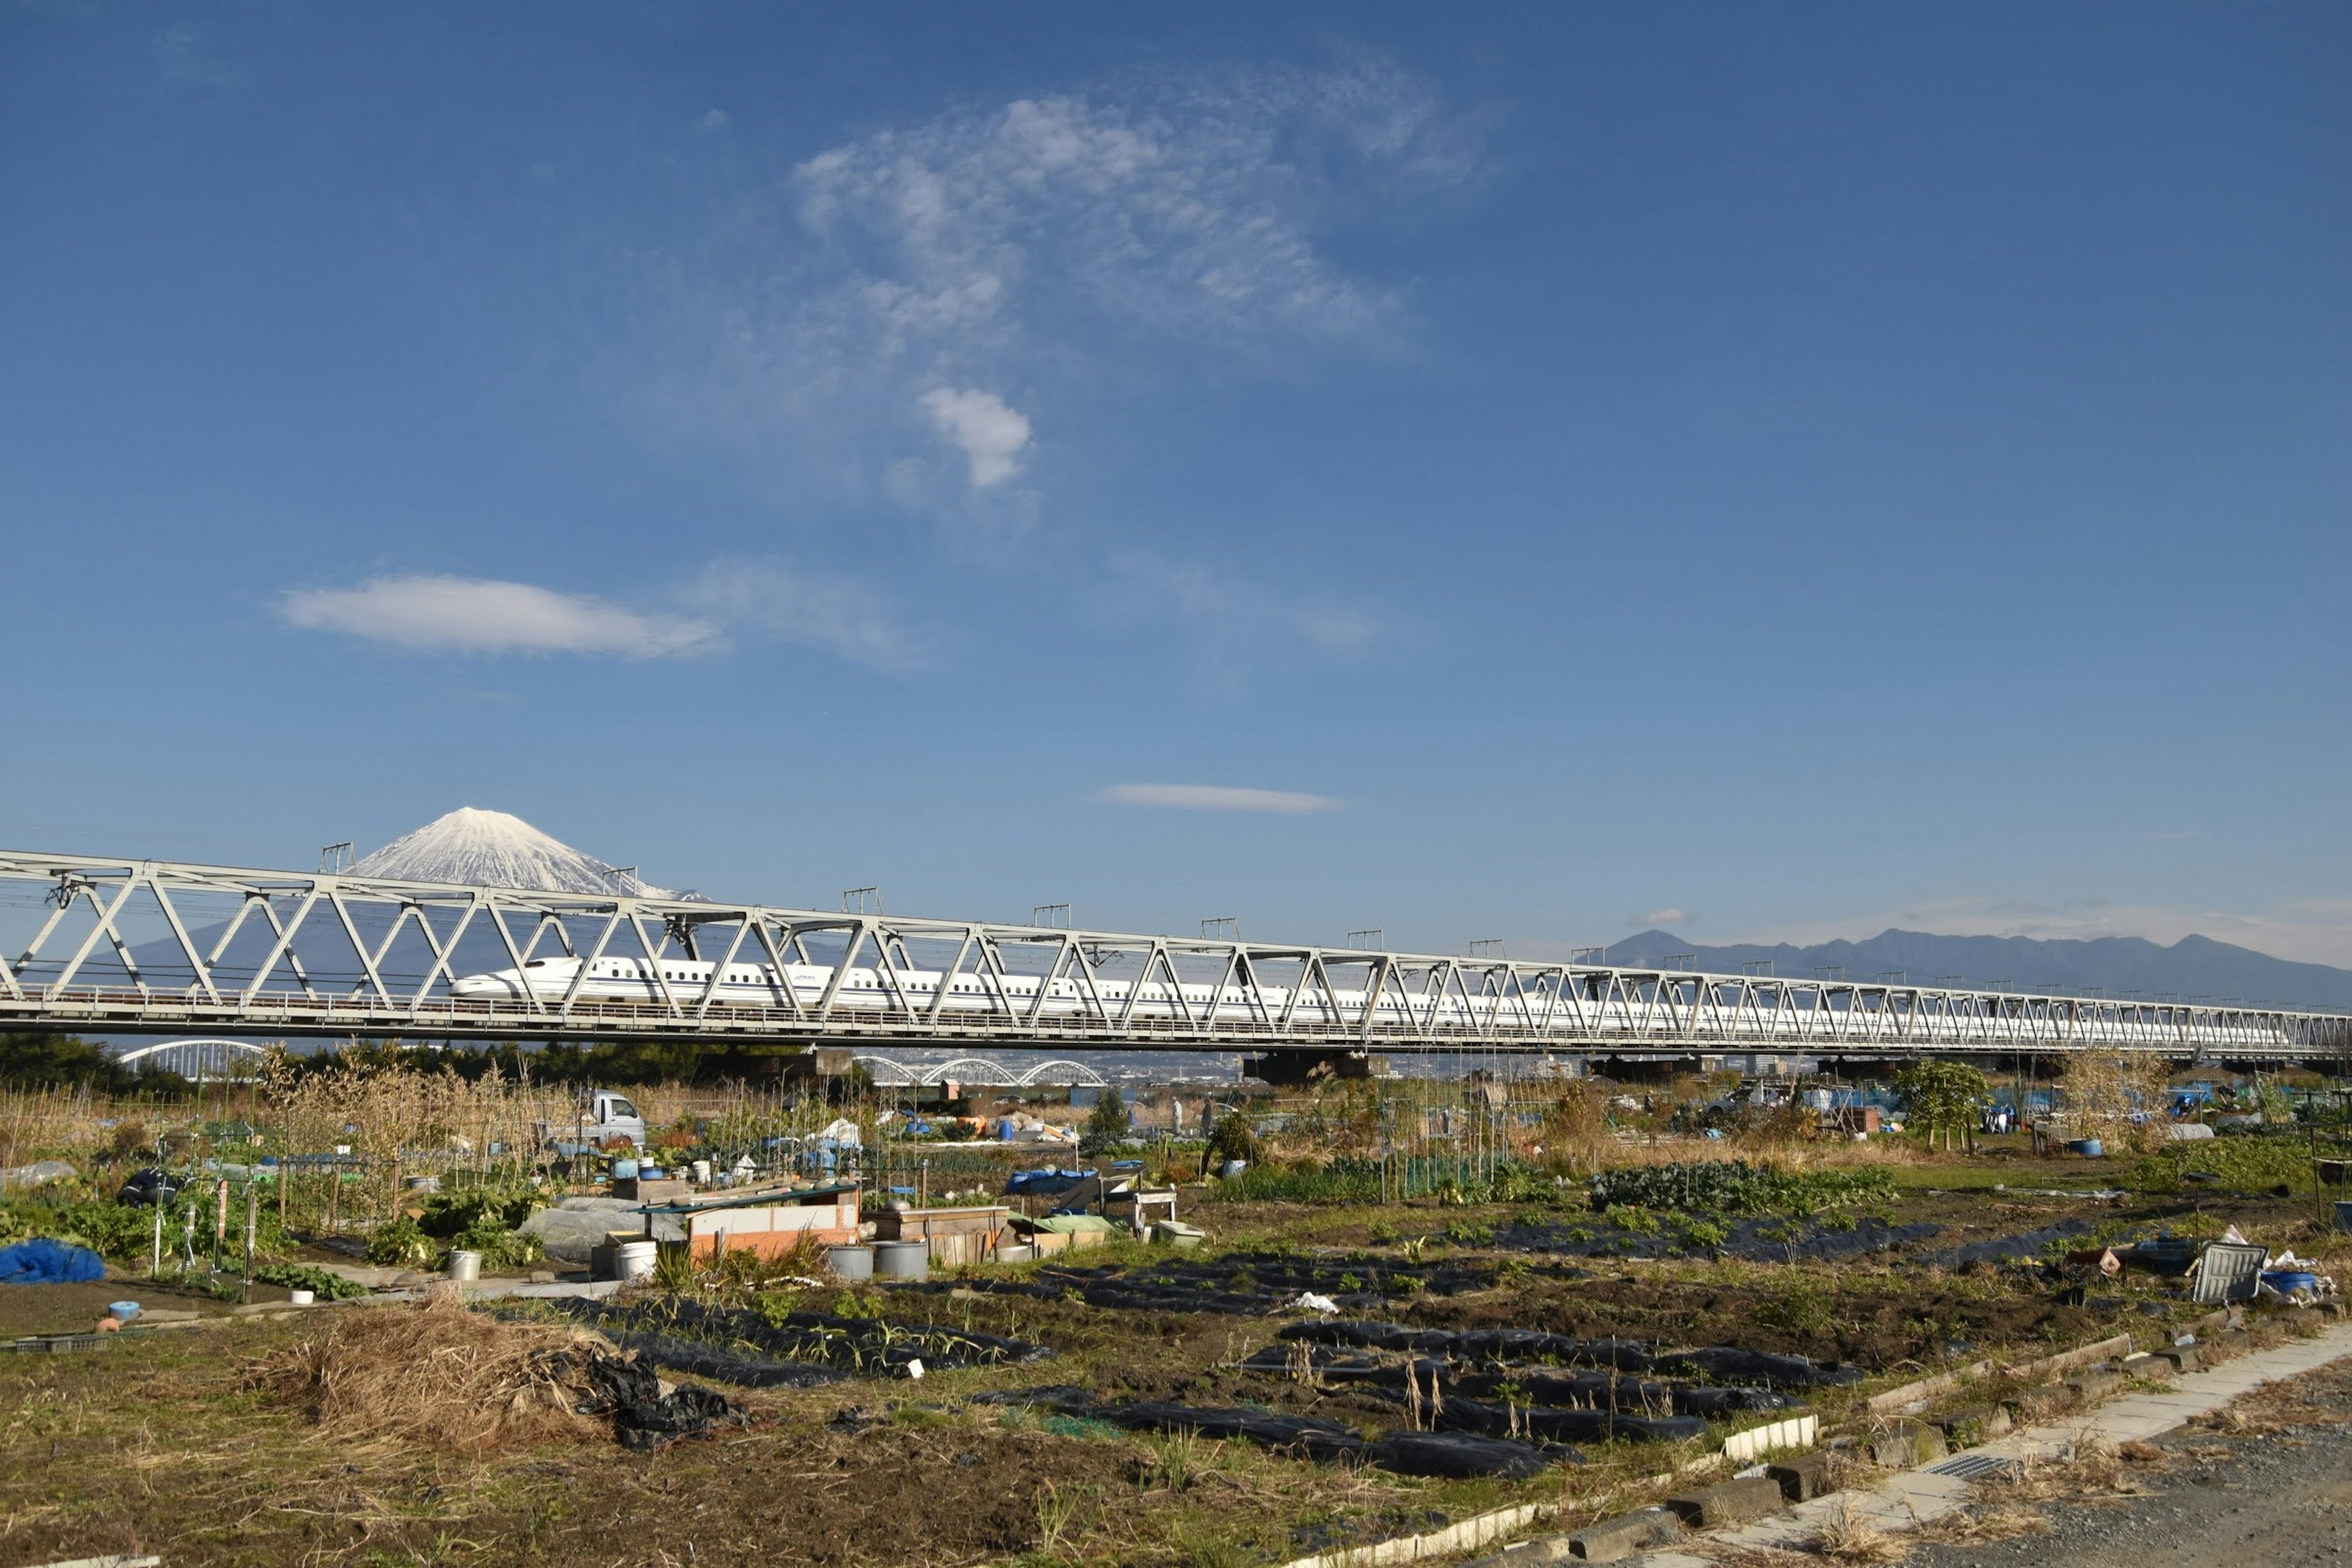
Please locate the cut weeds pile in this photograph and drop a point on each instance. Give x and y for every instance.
(437, 1375)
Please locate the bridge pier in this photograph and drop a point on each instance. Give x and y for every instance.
(1308, 1068)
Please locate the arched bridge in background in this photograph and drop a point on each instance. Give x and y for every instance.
(199, 1061)
(977, 1071)
(156, 947)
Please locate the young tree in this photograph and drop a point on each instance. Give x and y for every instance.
(1106, 1124)
(1941, 1097)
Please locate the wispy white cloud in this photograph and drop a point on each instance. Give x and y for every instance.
(989, 432)
(831, 613)
(1214, 798)
(860, 311)
(444, 614)
(476, 614)
(186, 59)
(1237, 623)
(1669, 916)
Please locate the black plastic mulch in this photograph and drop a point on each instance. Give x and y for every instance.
(1494, 1344)
(1450, 1454)
(1750, 1240)
(2025, 1247)
(1726, 1363)
(702, 1359)
(1521, 1385)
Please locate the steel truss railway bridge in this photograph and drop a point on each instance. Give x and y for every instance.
(153, 946)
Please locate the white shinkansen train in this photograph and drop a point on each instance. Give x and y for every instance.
(758, 985)
(660, 981)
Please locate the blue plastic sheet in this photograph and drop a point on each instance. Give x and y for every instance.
(41, 1262)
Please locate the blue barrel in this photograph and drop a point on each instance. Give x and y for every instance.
(624, 1170)
(2089, 1147)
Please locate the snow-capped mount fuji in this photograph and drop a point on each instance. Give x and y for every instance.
(497, 850)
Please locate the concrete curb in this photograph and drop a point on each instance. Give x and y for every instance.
(1904, 1501)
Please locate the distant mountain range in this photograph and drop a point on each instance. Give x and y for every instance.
(2195, 966)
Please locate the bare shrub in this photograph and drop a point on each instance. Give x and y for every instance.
(2104, 1091)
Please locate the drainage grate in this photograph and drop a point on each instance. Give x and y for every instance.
(1974, 1466)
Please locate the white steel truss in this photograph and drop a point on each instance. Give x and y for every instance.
(151, 946)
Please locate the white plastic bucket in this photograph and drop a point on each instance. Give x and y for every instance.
(702, 1172)
(300, 1298)
(465, 1266)
(635, 1259)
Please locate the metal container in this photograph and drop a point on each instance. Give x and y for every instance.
(635, 1259)
(902, 1259)
(852, 1263)
(465, 1266)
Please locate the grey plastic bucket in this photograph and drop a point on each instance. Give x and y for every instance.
(902, 1259)
(465, 1266)
(852, 1263)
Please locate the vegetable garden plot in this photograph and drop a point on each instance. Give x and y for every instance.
(1524, 1385)
(1458, 1453)
(1255, 1283)
(1505, 1383)
(2027, 1246)
(866, 1346)
(1656, 1236)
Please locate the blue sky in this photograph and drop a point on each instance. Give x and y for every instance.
(1515, 471)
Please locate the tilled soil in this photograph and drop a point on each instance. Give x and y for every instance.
(2277, 1493)
(76, 1309)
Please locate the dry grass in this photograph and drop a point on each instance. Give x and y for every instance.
(435, 1375)
(1846, 1536)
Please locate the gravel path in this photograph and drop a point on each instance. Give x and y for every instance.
(2276, 1495)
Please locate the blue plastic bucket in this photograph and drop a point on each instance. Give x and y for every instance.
(624, 1170)
(2089, 1147)
(2287, 1281)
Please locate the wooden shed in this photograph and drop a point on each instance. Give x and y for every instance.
(955, 1234)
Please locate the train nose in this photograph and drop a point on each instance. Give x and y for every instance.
(480, 985)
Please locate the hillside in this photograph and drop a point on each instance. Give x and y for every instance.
(2195, 966)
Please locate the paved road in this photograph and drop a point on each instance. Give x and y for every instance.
(2279, 1499)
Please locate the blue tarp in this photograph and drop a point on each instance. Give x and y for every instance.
(41, 1262)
